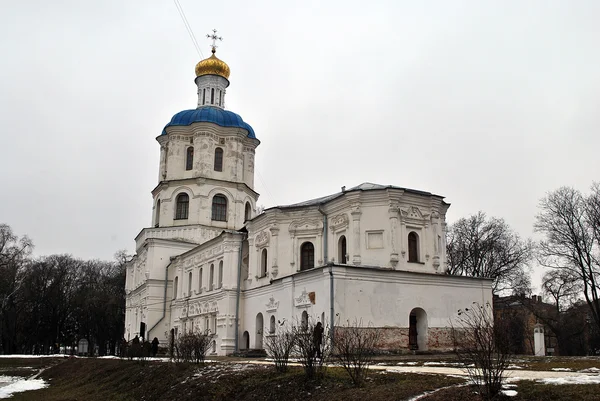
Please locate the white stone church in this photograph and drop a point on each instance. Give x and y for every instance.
(210, 262)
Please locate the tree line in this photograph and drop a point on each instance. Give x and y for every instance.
(53, 301)
(568, 222)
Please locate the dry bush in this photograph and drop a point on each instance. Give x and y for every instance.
(354, 347)
(280, 345)
(192, 347)
(483, 347)
(312, 353)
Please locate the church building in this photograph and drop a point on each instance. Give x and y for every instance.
(209, 261)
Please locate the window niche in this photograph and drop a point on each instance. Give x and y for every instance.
(218, 164)
(263, 263)
(413, 247)
(189, 158)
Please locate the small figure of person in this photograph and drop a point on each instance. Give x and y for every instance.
(136, 340)
(154, 346)
(318, 338)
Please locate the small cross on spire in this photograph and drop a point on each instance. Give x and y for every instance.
(214, 38)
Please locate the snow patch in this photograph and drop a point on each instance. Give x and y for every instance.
(509, 393)
(514, 367)
(583, 379)
(20, 386)
(407, 363)
(589, 370)
(562, 369)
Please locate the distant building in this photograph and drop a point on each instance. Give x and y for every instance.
(521, 314)
(209, 262)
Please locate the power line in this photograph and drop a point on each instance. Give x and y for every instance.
(188, 28)
(265, 187)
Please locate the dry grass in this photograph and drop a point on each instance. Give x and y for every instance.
(96, 379)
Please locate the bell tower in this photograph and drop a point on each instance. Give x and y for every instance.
(206, 171)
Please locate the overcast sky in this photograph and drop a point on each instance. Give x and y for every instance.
(490, 104)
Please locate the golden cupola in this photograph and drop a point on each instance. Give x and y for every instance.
(213, 66)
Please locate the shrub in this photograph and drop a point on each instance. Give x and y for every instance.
(192, 347)
(280, 345)
(483, 347)
(354, 347)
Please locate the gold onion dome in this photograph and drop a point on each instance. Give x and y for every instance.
(212, 66)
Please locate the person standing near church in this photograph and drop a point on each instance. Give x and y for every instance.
(318, 339)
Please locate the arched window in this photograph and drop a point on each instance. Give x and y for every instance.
(175, 285)
(211, 277)
(218, 159)
(203, 96)
(304, 321)
(189, 158)
(307, 256)
(272, 325)
(342, 249)
(212, 96)
(219, 208)
(200, 281)
(157, 215)
(247, 211)
(263, 263)
(220, 274)
(182, 206)
(189, 284)
(413, 247)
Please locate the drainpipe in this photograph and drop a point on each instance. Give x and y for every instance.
(331, 308)
(237, 297)
(164, 300)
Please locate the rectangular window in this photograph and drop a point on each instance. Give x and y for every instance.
(203, 96)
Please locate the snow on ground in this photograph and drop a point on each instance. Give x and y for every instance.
(20, 386)
(509, 393)
(407, 363)
(17, 356)
(589, 370)
(562, 369)
(583, 379)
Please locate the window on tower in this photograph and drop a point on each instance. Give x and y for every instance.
(203, 96)
(219, 208)
(413, 247)
(189, 158)
(212, 96)
(247, 211)
(218, 159)
(182, 206)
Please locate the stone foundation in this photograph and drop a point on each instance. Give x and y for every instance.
(395, 339)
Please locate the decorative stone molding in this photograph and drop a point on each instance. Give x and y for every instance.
(305, 227)
(272, 305)
(303, 300)
(261, 239)
(413, 213)
(339, 222)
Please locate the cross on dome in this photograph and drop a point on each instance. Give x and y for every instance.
(214, 38)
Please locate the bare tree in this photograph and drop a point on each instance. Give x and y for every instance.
(570, 222)
(354, 347)
(280, 345)
(483, 347)
(14, 255)
(489, 248)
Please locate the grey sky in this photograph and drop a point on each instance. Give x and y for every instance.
(490, 104)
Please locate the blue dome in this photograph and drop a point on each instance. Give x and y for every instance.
(215, 115)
